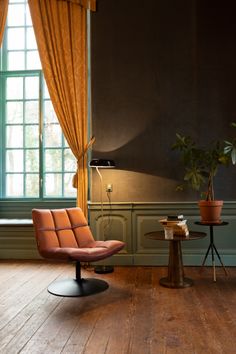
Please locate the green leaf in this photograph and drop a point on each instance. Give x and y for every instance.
(228, 149)
(233, 156)
(228, 142)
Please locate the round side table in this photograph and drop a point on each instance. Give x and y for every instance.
(175, 278)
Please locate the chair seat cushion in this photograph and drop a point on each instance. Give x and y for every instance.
(96, 251)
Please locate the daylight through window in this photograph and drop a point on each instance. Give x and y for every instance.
(36, 161)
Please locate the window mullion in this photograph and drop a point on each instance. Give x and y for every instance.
(24, 141)
(2, 126)
(41, 145)
(63, 168)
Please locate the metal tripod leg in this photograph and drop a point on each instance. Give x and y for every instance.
(217, 253)
(206, 256)
(213, 262)
(213, 249)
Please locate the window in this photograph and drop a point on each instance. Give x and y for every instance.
(35, 159)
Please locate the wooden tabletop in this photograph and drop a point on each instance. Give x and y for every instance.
(160, 235)
(221, 223)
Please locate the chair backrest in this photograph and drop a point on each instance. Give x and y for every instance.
(59, 228)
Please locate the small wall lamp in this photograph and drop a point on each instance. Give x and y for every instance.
(102, 163)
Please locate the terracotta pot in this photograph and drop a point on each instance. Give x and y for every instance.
(210, 211)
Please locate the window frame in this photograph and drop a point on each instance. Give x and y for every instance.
(3, 77)
(41, 138)
(42, 149)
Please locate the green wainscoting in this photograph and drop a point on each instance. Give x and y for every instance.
(127, 222)
(130, 222)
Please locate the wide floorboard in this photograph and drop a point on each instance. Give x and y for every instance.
(134, 316)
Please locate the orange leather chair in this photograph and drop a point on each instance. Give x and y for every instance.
(63, 234)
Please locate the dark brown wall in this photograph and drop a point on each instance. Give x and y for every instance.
(161, 67)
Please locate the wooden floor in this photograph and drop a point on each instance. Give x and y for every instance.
(134, 316)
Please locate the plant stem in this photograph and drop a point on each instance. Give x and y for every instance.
(210, 189)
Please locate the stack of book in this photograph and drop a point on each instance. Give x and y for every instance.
(178, 223)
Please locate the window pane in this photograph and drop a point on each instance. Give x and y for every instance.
(14, 161)
(14, 112)
(53, 185)
(14, 88)
(14, 185)
(32, 87)
(49, 113)
(66, 143)
(32, 185)
(33, 60)
(32, 160)
(30, 39)
(70, 161)
(69, 191)
(46, 93)
(52, 135)
(53, 160)
(16, 61)
(14, 136)
(31, 136)
(32, 112)
(28, 17)
(16, 15)
(16, 38)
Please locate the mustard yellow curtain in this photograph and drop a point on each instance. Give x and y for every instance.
(3, 16)
(88, 4)
(60, 30)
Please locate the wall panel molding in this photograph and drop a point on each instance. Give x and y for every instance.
(128, 222)
(143, 217)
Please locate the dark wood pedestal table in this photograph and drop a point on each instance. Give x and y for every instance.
(212, 246)
(175, 278)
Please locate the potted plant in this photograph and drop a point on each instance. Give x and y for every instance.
(201, 166)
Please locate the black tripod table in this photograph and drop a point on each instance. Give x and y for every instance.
(212, 246)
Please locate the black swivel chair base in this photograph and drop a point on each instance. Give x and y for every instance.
(76, 288)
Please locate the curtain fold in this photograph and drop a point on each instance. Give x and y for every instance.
(88, 4)
(3, 16)
(60, 30)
